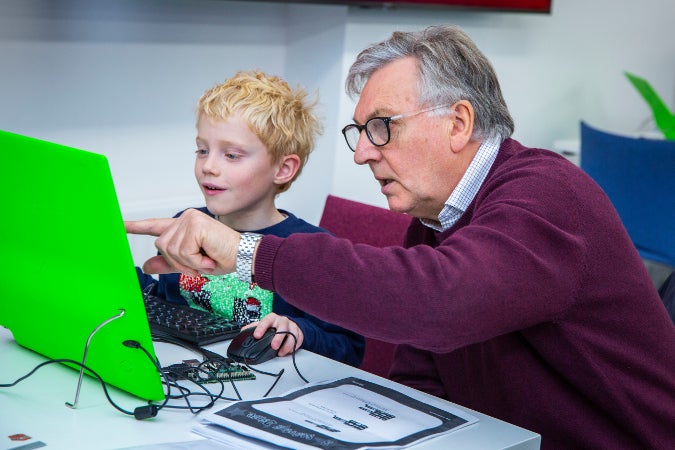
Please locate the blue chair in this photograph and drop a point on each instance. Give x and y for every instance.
(638, 175)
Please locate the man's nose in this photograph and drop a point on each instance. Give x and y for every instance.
(365, 150)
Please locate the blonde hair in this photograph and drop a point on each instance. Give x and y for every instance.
(282, 118)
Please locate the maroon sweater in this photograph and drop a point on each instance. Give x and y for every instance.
(535, 308)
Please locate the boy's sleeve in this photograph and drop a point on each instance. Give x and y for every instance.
(322, 337)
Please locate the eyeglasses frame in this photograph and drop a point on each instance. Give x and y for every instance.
(386, 121)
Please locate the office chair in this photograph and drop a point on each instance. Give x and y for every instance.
(638, 176)
(667, 293)
(367, 224)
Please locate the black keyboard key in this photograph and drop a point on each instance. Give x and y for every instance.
(188, 324)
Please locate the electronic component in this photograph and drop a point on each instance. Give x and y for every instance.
(212, 371)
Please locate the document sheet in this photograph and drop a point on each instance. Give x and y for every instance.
(349, 413)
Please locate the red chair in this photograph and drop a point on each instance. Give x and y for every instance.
(367, 224)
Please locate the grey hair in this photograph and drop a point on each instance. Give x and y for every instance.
(451, 68)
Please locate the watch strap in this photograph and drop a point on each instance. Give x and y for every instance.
(245, 256)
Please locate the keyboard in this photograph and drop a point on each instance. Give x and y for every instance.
(188, 324)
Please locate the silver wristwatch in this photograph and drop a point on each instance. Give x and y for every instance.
(245, 256)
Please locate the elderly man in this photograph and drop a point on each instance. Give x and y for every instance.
(517, 293)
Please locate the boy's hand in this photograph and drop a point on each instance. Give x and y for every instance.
(282, 324)
(193, 243)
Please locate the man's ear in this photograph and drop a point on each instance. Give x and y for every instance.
(462, 128)
(286, 169)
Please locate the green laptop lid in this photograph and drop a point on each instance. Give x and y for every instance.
(66, 263)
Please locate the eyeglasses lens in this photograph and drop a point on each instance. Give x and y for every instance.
(377, 131)
(352, 134)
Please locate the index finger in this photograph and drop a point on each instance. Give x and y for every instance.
(152, 227)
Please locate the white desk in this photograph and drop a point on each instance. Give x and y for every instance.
(36, 406)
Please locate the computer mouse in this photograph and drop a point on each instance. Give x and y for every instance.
(244, 348)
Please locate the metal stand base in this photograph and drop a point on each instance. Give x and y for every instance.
(84, 357)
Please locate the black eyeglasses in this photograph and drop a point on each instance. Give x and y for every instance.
(377, 128)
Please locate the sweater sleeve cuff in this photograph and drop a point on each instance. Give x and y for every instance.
(264, 260)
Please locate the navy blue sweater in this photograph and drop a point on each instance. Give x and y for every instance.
(320, 337)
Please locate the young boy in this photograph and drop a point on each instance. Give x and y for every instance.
(254, 135)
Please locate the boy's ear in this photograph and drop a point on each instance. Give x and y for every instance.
(287, 169)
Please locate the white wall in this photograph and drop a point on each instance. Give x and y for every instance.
(122, 78)
(555, 70)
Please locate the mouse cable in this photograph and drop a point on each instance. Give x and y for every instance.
(295, 343)
(277, 377)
